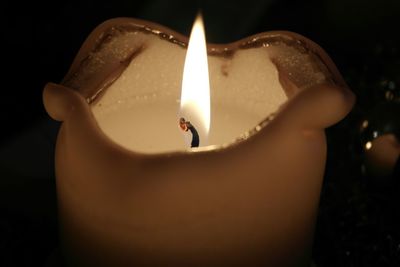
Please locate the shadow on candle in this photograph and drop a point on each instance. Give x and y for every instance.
(250, 200)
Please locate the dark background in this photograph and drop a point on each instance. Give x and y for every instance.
(358, 221)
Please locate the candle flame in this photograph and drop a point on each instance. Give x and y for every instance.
(195, 95)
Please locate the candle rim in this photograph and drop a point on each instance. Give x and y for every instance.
(102, 31)
(93, 39)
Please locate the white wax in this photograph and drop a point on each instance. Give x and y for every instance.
(140, 110)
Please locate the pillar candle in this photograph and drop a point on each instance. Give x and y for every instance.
(130, 191)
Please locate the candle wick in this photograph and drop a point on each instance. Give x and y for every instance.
(187, 126)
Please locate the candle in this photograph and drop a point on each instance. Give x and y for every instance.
(131, 192)
(382, 155)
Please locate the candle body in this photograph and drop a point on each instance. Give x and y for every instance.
(206, 209)
(251, 202)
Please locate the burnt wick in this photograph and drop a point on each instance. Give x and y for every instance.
(186, 126)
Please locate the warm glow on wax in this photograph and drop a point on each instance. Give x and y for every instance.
(195, 96)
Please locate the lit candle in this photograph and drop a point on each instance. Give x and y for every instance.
(380, 132)
(131, 192)
(382, 155)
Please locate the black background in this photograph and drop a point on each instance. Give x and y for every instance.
(358, 218)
